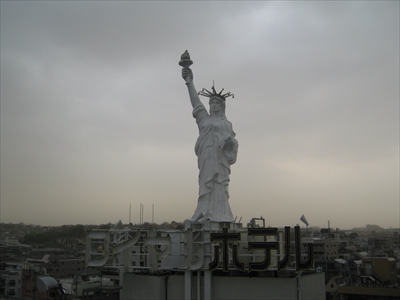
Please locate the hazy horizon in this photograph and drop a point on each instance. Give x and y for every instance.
(301, 224)
(95, 116)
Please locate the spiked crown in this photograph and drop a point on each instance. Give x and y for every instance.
(206, 93)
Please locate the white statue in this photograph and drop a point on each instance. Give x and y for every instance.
(216, 149)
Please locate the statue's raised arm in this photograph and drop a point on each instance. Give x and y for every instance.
(187, 75)
(216, 149)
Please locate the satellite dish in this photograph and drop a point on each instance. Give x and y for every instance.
(304, 220)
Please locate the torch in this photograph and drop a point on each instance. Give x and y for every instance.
(185, 61)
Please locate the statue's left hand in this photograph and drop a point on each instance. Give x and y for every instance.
(228, 141)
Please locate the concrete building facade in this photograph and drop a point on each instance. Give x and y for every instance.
(171, 286)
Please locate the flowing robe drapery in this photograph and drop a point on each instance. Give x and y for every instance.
(214, 159)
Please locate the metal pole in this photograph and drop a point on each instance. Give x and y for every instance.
(207, 285)
(298, 286)
(207, 249)
(188, 285)
(142, 213)
(198, 284)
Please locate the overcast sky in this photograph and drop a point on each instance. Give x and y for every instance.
(95, 115)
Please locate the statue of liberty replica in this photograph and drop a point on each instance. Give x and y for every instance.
(216, 149)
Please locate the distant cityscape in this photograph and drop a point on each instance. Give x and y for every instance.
(361, 262)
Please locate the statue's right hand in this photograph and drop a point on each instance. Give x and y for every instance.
(187, 74)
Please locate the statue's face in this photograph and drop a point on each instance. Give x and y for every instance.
(215, 105)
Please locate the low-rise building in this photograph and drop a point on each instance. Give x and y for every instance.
(333, 268)
(63, 268)
(10, 279)
(382, 268)
(326, 249)
(35, 284)
(377, 280)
